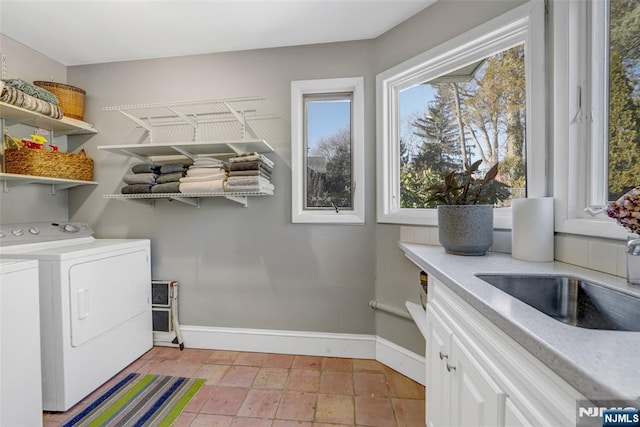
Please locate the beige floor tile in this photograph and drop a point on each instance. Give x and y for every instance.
(335, 409)
(337, 364)
(296, 405)
(370, 384)
(225, 400)
(212, 373)
(205, 420)
(250, 359)
(303, 380)
(260, 404)
(409, 412)
(274, 378)
(307, 362)
(374, 411)
(272, 360)
(336, 382)
(240, 376)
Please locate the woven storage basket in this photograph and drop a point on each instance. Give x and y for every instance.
(71, 98)
(52, 164)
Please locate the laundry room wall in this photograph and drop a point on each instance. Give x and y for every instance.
(397, 278)
(237, 267)
(27, 203)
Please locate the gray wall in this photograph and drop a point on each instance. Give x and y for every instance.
(251, 267)
(31, 202)
(397, 278)
(241, 267)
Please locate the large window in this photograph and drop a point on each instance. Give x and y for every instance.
(477, 97)
(327, 151)
(476, 112)
(596, 102)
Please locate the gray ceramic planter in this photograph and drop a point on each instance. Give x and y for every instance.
(465, 229)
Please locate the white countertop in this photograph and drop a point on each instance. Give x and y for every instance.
(601, 365)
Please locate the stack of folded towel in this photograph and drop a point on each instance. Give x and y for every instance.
(142, 178)
(250, 172)
(169, 179)
(206, 175)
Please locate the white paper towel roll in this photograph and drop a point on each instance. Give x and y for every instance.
(532, 232)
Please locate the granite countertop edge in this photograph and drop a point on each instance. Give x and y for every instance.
(601, 365)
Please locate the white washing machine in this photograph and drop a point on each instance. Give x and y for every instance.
(20, 397)
(95, 304)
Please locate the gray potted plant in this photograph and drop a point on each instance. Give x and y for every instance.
(465, 209)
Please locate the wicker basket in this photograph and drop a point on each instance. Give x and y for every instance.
(71, 98)
(52, 164)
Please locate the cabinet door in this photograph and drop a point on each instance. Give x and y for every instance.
(438, 378)
(475, 398)
(513, 417)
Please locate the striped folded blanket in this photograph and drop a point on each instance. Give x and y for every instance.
(16, 97)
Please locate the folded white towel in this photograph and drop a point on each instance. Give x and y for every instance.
(202, 187)
(204, 171)
(251, 188)
(202, 178)
(207, 161)
(247, 180)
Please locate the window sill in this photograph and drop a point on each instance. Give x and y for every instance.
(592, 227)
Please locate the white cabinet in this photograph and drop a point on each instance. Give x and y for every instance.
(466, 394)
(11, 115)
(478, 376)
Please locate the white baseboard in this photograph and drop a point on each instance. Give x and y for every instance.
(400, 359)
(357, 346)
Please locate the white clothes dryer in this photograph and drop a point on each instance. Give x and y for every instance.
(95, 304)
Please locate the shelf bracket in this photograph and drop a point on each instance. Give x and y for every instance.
(238, 199)
(192, 202)
(184, 152)
(246, 128)
(144, 125)
(136, 155)
(189, 120)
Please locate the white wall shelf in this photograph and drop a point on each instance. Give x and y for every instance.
(191, 129)
(57, 184)
(12, 115)
(65, 126)
(192, 199)
(159, 151)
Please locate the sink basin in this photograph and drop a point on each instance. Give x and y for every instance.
(571, 300)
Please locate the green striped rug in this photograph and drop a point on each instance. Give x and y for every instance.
(139, 400)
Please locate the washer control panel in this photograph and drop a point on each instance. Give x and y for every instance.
(15, 234)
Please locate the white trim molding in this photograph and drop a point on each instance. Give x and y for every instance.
(300, 88)
(357, 346)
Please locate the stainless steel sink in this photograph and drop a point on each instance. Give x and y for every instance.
(572, 300)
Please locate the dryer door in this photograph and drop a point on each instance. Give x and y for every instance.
(106, 292)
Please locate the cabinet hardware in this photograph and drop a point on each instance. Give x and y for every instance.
(450, 367)
(442, 356)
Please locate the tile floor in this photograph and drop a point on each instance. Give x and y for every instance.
(280, 390)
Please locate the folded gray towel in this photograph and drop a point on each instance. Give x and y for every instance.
(140, 178)
(169, 187)
(174, 167)
(169, 177)
(145, 168)
(136, 189)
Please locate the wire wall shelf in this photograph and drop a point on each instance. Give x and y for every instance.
(192, 199)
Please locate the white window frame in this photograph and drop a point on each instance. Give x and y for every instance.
(580, 114)
(299, 89)
(525, 23)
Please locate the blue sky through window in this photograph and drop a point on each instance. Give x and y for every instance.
(326, 118)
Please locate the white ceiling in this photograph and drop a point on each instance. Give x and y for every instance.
(75, 32)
